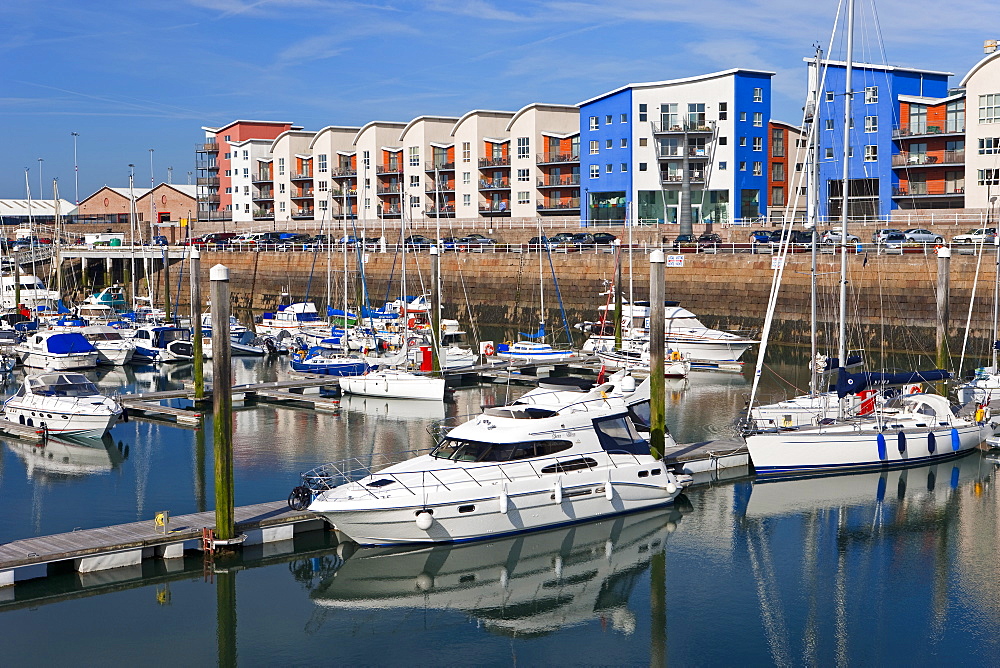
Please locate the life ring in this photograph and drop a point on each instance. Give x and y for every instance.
(913, 389)
(489, 350)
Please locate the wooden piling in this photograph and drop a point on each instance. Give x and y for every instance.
(943, 314)
(199, 353)
(657, 383)
(618, 294)
(222, 395)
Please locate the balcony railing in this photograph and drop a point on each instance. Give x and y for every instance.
(500, 161)
(388, 190)
(263, 213)
(303, 212)
(446, 209)
(555, 156)
(442, 166)
(302, 194)
(301, 175)
(494, 209)
(207, 165)
(560, 181)
(667, 152)
(684, 126)
(494, 184)
(907, 159)
(264, 194)
(676, 179)
(919, 129)
(351, 192)
(208, 181)
(345, 171)
(390, 211)
(261, 177)
(930, 188)
(389, 169)
(210, 198)
(442, 187)
(207, 147)
(560, 205)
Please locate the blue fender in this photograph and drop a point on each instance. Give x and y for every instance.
(931, 443)
(901, 442)
(882, 454)
(956, 442)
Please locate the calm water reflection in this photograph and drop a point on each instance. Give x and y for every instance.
(888, 568)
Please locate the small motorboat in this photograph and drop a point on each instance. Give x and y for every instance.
(560, 454)
(529, 351)
(165, 343)
(63, 403)
(395, 383)
(112, 347)
(674, 365)
(328, 362)
(57, 351)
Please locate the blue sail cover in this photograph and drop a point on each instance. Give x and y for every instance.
(834, 363)
(853, 383)
(540, 334)
(68, 343)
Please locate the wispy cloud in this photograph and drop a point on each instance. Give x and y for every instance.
(478, 9)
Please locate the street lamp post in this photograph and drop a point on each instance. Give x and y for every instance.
(41, 191)
(76, 167)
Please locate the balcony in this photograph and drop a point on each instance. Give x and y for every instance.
(922, 130)
(494, 184)
(559, 181)
(261, 177)
(442, 166)
(907, 159)
(685, 126)
(303, 212)
(348, 192)
(389, 169)
(667, 152)
(499, 161)
(304, 193)
(207, 147)
(929, 189)
(264, 194)
(390, 211)
(345, 171)
(211, 198)
(207, 165)
(263, 214)
(490, 209)
(443, 187)
(208, 181)
(447, 211)
(674, 179)
(300, 176)
(558, 206)
(554, 157)
(392, 189)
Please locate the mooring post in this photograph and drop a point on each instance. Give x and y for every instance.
(657, 384)
(435, 310)
(943, 294)
(107, 271)
(166, 282)
(618, 294)
(222, 396)
(199, 353)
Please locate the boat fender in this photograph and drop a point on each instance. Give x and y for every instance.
(503, 499)
(124, 414)
(931, 443)
(609, 490)
(424, 520)
(671, 485)
(882, 452)
(675, 356)
(980, 414)
(628, 384)
(557, 495)
(956, 442)
(901, 442)
(425, 581)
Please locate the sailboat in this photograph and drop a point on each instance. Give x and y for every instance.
(906, 429)
(985, 384)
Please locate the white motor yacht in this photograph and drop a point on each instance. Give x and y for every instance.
(529, 351)
(395, 383)
(57, 351)
(554, 457)
(293, 319)
(63, 403)
(112, 347)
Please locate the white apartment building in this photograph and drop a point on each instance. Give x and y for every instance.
(982, 132)
(380, 174)
(334, 188)
(474, 136)
(426, 142)
(291, 172)
(531, 132)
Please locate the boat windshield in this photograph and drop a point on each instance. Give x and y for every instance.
(168, 335)
(461, 450)
(618, 434)
(62, 385)
(104, 336)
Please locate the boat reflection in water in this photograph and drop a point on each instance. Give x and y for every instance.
(399, 409)
(529, 584)
(69, 456)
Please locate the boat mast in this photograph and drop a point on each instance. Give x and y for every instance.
(996, 302)
(345, 343)
(812, 206)
(541, 278)
(131, 220)
(848, 101)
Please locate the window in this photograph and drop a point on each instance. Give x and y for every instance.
(593, 123)
(414, 181)
(523, 197)
(226, 137)
(955, 116)
(871, 123)
(246, 155)
(229, 172)
(918, 118)
(743, 141)
(871, 94)
(743, 117)
(643, 112)
(368, 203)
(643, 141)
(723, 111)
(722, 166)
(954, 182)
(281, 188)
(281, 166)
(696, 115)
(595, 171)
(414, 202)
(522, 175)
(523, 147)
(624, 167)
(758, 94)
(466, 200)
(723, 141)
(777, 196)
(466, 178)
(366, 161)
(624, 118)
(758, 168)
(229, 191)
(777, 143)
(829, 124)
(246, 190)
(414, 153)
(798, 167)
(281, 207)
(777, 171)
(800, 143)
(989, 145)
(758, 143)
(607, 119)
(669, 117)
(989, 177)
(466, 151)
(227, 156)
(802, 191)
(595, 147)
(321, 163)
(323, 204)
(829, 96)
(609, 168)
(246, 172)
(322, 186)
(829, 154)
(989, 109)
(609, 143)
(758, 119)
(871, 153)
(624, 143)
(850, 151)
(642, 166)
(743, 166)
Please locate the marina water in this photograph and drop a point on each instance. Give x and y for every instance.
(889, 568)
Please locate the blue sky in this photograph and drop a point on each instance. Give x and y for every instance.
(131, 76)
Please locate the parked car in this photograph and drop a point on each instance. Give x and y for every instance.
(448, 243)
(761, 236)
(709, 239)
(539, 243)
(604, 238)
(159, 240)
(983, 235)
(583, 239)
(684, 240)
(289, 241)
(923, 236)
(417, 241)
(879, 236)
(833, 237)
(214, 238)
(475, 243)
(893, 240)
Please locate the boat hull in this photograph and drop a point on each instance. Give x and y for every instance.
(60, 362)
(58, 421)
(712, 350)
(395, 386)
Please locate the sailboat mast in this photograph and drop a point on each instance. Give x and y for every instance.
(541, 277)
(996, 303)
(848, 102)
(812, 206)
(346, 346)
